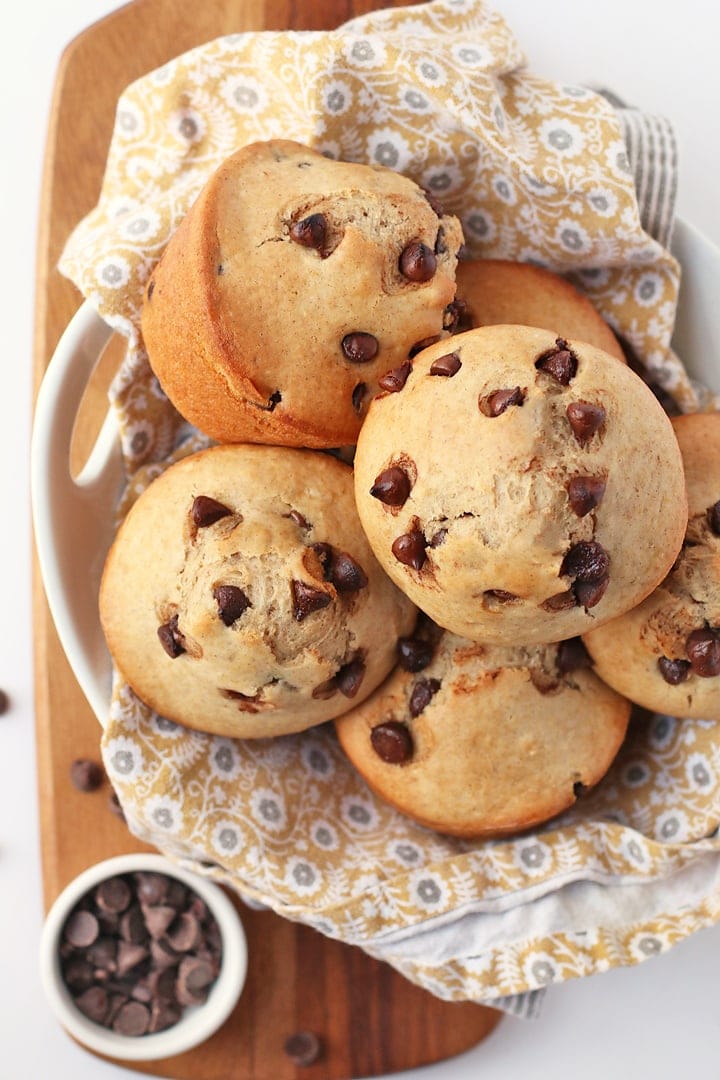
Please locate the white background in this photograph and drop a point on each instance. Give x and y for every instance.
(659, 1020)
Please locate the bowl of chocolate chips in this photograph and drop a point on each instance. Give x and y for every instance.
(141, 959)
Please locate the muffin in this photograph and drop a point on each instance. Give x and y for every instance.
(293, 284)
(240, 596)
(665, 653)
(519, 487)
(495, 291)
(482, 741)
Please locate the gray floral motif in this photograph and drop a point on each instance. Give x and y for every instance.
(650, 946)
(636, 774)
(226, 838)
(543, 972)
(533, 856)
(407, 852)
(428, 891)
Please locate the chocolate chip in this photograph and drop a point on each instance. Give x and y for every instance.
(359, 347)
(703, 652)
(350, 676)
(274, 399)
(414, 653)
(346, 575)
(113, 895)
(81, 929)
(94, 1003)
(158, 917)
(590, 593)
(560, 601)
(392, 486)
(417, 262)
(297, 519)
(438, 538)
(422, 694)
(132, 1019)
(206, 511)
(304, 1048)
(585, 419)
(585, 561)
(560, 362)
(183, 933)
(232, 602)
(129, 956)
(394, 379)
(132, 926)
(86, 775)
(673, 671)
(498, 401)
(392, 742)
(193, 979)
(424, 343)
(579, 789)
(78, 974)
(311, 232)
(151, 288)
(163, 1015)
(585, 493)
(440, 245)
(448, 365)
(409, 549)
(501, 595)
(151, 888)
(307, 599)
(572, 655)
(454, 315)
(171, 639)
(713, 517)
(358, 396)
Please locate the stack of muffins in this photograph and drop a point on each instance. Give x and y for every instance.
(509, 563)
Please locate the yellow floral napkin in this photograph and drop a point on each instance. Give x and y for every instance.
(536, 171)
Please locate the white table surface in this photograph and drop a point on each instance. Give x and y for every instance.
(659, 1020)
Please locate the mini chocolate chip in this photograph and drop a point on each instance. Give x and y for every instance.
(358, 396)
(590, 593)
(585, 419)
(572, 655)
(297, 519)
(409, 549)
(424, 343)
(560, 362)
(392, 486)
(440, 245)
(585, 561)
(94, 1003)
(713, 516)
(422, 694)
(86, 775)
(350, 676)
(232, 602)
(560, 601)
(346, 575)
(359, 347)
(438, 538)
(4, 702)
(274, 399)
(307, 599)
(304, 1048)
(113, 895)
(673, 671)
(171, 638)
(454, 315)
(579, 789)
(501, 595)
(133, 1019)
(311, 232)
(392, 742)
(585, 493)
(394, 379)
(448, 365)
(417, 262)
(703, 652)
(434, 204)
(206, 511)
(81, 929)
(414, 654)
(498, 401)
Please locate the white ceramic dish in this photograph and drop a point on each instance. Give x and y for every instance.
(197, 1024)
(74, 519)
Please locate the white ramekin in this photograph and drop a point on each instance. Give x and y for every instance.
(197, 1023)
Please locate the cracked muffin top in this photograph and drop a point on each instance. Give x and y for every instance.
(665, 653)
(519, 487)
(240, 596)
(478, 740)
(291, 286)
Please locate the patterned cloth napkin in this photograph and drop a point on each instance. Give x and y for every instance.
(536, 171)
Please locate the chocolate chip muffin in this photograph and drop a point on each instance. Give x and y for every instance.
(519, 487)
(665, 653)
(290, 288)
(495, 291)
(481, 741)
(241, 598)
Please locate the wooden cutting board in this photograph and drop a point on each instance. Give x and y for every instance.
(369, 1018)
